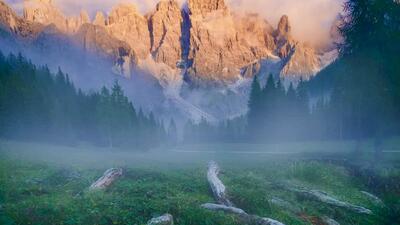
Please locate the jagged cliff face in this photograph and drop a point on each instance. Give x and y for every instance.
(9, 21)
(126, 24)
(165, 26)
(207, 43)
(44, 12)
(201, 57)
(223, 43)
(96, 39)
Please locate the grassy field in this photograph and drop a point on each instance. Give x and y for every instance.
(48, 185)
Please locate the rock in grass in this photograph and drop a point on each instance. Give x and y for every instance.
(166, 219)
(107, 179)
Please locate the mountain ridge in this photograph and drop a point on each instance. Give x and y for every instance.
(221, 42)
(202, 55)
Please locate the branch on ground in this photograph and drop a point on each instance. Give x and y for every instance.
(219, 192)
(217, 187)
(321, 196)
(243, 216)
(165, 219)
(109, 177)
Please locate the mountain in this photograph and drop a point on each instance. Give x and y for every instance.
(202, 55)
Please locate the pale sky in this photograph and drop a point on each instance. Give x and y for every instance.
(310, 19)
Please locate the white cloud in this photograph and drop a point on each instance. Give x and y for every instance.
(311, 20)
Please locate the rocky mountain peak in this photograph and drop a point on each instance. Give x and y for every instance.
(11, 22)
(84, 17)
(165, 27)
(99, 19)
(284, 27)
(203, 7)
(123, 11)
(127, 24)
(207, 42)
(44, 12)
(167, 5)
(284, 42)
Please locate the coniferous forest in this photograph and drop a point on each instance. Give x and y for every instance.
(323, 150)
(355, 98)
(38, 105)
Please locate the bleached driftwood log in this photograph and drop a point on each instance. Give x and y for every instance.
(321, 196)
(166, 219)
(223, 208)
(219, 192)
(216, 185)
(246, 218)
(324, 197)
(107, 179)
(374, 198)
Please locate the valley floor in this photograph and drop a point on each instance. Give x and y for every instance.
(48, 184)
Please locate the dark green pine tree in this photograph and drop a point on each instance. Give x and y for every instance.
(105, 115)
(172, 132)
(255, 109)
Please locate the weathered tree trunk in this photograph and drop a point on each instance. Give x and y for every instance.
(216, 185)
(107, 179)
(243, 216)
(325, 198)
(374, 198)
(166, 219)
(219, 192)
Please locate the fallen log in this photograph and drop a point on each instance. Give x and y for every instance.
(246, 218)
(216, 185)
(321, 196)
(166, 219)
(374, 198)
(219, 192)
(325, 198)
(107, 179)
(223, 208)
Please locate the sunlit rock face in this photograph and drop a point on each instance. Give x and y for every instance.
(9, 21)
(126, 24)
(202, 56)
(218, 46)
(99, 19)
(204, 7)
(46, 13)
(298, 59)
(96, 40)
(166, 31)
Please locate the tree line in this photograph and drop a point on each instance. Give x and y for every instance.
(355, 98)
(36, 104)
